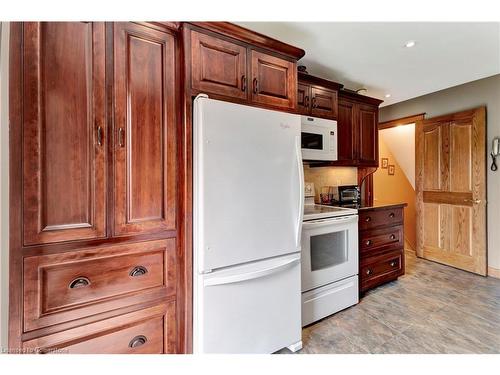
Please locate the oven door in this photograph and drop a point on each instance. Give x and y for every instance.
(329, 250)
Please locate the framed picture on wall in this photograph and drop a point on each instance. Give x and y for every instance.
(385, 163)
(391, 170)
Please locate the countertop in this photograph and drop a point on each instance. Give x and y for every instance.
(381, 205)
(375, 205)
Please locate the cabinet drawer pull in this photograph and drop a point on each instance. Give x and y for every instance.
(368, 242)
(368, 271)
(393, 237)
(99, 135)
(255, 86)
(121, 137)
(393, 263)
(391, 215)
(79, 282)
(306, 101)
(368, 219)
(243, 83)
(138, 271)
(314, 105)
(137, 341)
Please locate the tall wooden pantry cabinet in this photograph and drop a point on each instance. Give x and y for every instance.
(95, 247)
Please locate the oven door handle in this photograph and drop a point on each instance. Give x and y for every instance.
(324, 222)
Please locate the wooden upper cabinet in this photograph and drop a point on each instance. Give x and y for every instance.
(323, 103)
(368, 135)
(64, 131)
(303, 99)
(273, 80)
(218, 66)
(144, 130)
(346, 131)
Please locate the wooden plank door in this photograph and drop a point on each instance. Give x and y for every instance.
(451, 190)
(145, 130)
(64, 131)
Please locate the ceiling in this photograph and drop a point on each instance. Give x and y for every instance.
(373, 55)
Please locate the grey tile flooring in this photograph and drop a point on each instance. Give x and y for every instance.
(431, 309)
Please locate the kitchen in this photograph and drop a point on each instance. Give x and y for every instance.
(199, 192)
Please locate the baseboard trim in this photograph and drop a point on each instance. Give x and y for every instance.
(494, 272)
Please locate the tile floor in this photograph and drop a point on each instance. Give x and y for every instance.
(431, 309)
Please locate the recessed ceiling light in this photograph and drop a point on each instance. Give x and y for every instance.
(387, 95)
(410, 43)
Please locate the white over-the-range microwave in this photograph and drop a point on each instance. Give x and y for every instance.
(319, 139)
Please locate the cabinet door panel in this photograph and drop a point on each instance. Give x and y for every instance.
(218, 66)
(304, 99)
(64, 109)
(144, 165)
(274, 80)
(324, 103)
(346, 131)
(368, 135)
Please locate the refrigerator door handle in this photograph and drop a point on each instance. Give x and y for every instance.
(300, 213)
(213, 281)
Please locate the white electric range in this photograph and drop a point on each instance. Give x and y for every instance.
(329, 260)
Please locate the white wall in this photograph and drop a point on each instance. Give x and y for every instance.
(483, 92)
(400, 140)
(4, 183)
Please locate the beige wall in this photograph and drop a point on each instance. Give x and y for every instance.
(470, 95)
(330, 176)
(395, 188)
(4, 183)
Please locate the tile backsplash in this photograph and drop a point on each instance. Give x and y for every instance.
(330, 176)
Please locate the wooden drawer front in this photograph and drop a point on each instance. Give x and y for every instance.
(379, 218)
(324, 103)
(381, 269)
(148, 331)
(274, 80)
(55, 285)
(218, 66)
(390, 238)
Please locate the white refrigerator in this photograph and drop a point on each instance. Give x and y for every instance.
(248, 209)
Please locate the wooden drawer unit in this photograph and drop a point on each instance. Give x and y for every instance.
(380, 217)
(381, 245)
(379, 269)
(147, 331)
(72, 285)
(384, 239)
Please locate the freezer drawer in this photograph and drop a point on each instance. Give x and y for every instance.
(329, 299)
(254, 308)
